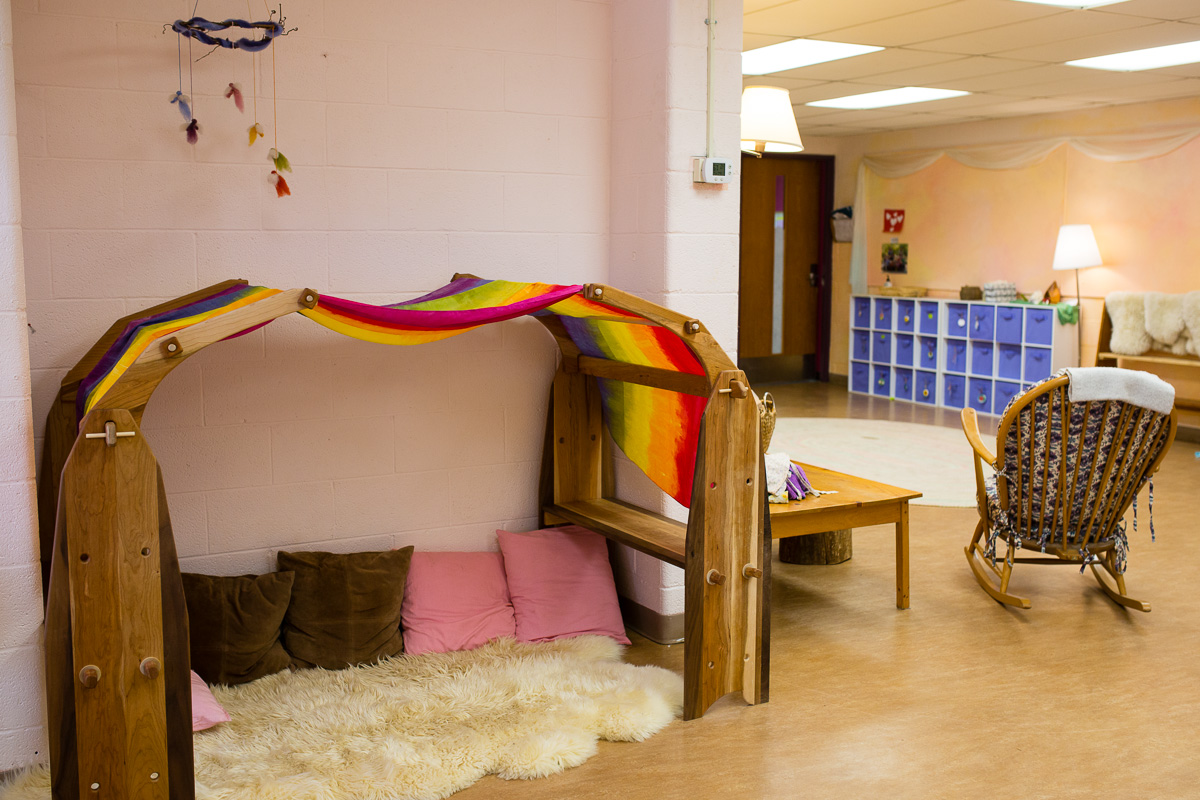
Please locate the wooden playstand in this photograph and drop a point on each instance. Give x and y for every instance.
(117, 663)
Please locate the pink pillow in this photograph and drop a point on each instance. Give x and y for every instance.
(561, 584)
(206, 711)
(455, 601)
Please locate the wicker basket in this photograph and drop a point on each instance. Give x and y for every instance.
(766, 419)
(903, 291)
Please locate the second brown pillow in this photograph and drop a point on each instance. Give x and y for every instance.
(235, 625)
(345, 607)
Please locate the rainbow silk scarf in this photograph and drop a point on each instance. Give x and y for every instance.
(657, 429)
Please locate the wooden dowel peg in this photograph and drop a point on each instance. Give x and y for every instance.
(172, 347)
(714, 578)
(150, 667)
(89, 676)
(751, 571)
(309, 298)
(740, 390)
(691, 326)
(110, 435)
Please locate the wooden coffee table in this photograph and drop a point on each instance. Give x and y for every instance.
(858, 502)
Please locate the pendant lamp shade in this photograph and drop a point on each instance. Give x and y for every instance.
(768, 122)
(1076, 248)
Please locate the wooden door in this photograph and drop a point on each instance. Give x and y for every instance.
(785, 263)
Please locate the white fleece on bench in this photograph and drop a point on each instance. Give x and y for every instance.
(1126, 385)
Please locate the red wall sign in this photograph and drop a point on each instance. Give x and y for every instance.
(893, 220)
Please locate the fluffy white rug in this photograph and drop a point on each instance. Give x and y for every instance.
(422, 727)
(933, 460)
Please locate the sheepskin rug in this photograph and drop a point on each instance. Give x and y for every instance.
(422, 727)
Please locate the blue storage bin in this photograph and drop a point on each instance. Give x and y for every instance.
(980, 395)
(860, 377)
(955, 391)
(862, 312)
(906, 315)
(982, 322)
(1008, 361)
(927, 311)
(861, 345)
(882, 383)
(928, 349)
(904, 384)
(981, 358)
(1002, 394)
(1039, 325)
(904, 349)
(925, 388)
(956, 355)
(1008, 324)
(883, 314)
(881, 347)
(956, 319)
(1037, 363)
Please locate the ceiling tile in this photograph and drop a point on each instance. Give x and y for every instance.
(1010, 79)
(1052, 28)
(946, 73)
(964, 16)
(753, 41)
(1119, 41)
(1183, 87)
(882, 62)
(827, 91)
(758, 5)
(808, 17)
(1154, 9)
(1182, 71)
(953, 105)
(775, 80)
(1088, 81)
(925, 120)
(832, 131)
(1044, 105)
(865, 117)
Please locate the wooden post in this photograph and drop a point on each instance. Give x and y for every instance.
(723, 620)
(578, 428)
(108, 717)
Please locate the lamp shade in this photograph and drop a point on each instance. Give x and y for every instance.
(768, 122)
(1076, 248)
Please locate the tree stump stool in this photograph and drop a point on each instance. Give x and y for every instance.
(832, 547)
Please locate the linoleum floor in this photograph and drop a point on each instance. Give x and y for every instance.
(956, 697)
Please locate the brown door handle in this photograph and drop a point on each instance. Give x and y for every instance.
(814, 275)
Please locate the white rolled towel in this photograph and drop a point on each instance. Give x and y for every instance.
(1126, 385)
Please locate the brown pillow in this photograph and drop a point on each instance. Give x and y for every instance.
(345, 607)
(235, 625)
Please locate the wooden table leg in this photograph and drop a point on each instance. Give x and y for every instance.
(902, 557)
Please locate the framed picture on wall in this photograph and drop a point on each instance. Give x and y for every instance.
(895, 258)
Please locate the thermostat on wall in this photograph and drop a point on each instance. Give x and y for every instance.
(711, 170)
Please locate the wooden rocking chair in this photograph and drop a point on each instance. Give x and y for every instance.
(1066, 472)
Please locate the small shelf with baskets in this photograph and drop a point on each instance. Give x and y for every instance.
(954, 353)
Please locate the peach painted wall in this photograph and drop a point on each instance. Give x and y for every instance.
(968, 226)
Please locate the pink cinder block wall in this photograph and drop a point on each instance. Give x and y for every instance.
(427, 138)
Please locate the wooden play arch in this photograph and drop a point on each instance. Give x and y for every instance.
(656, 381)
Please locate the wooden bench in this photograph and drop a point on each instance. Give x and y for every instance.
(1105, 357)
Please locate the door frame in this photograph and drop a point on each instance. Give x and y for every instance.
(825, 167)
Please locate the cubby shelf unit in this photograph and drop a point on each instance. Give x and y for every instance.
(954, 353)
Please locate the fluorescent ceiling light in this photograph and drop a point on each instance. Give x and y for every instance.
(1151, 58)
(888, 97)
(798, 53)
(1073, 3)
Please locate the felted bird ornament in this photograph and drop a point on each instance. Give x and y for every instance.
(193, 131)
(235, 92)
(183, 101)
(255, 131)
(281, 187)
(281, 162)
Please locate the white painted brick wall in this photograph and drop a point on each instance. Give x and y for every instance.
(427, 138)
(22, 708)
(673, 242)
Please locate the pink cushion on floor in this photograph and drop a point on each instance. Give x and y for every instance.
(206, 711)
(561, 584)
(455, 601)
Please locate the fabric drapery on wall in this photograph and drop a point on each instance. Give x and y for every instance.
(1013, 155)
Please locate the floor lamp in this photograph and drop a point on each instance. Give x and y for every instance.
(1076, 249)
